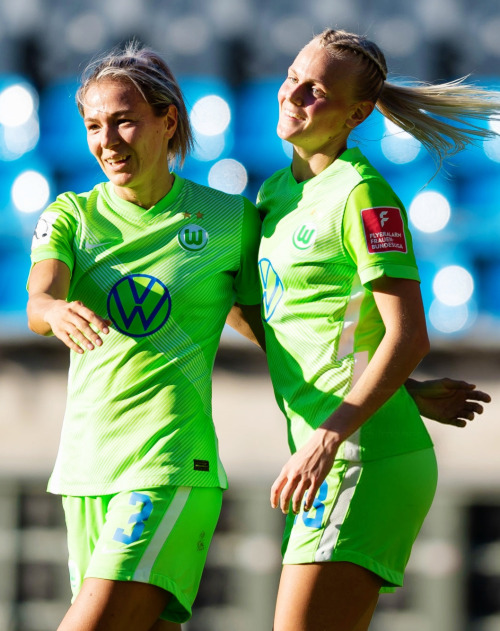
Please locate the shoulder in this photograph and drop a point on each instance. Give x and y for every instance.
(72, 202)
(279, 178)
(278, 186)
(202, 195)
(366, 184)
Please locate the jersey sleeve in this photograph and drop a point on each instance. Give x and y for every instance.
(55, 233)
(247, 284)
(376, 233)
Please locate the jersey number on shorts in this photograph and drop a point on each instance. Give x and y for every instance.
(318, 506)
(137, 519)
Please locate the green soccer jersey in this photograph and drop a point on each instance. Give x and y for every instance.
(323, 242)
(139, 408)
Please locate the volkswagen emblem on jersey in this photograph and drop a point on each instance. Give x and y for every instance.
(192, 237)
(139, 305)
(272, 288)
(305, 236)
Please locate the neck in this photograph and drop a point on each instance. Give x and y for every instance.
(306, 167)
(146, 197)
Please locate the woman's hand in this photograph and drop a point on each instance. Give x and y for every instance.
(305, 472)
(50, 314)
(76, 325)
(447, 400)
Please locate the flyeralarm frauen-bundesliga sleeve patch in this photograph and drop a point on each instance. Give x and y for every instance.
(384, 229)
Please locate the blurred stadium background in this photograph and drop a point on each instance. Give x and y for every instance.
(230, 57)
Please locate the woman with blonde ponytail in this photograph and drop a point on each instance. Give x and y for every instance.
(345, 327)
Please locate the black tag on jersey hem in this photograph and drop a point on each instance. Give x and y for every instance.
(201, 465)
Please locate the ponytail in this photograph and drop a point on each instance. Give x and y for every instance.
(445, 117)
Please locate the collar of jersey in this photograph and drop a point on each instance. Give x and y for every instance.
(137, 212)
(350, 155)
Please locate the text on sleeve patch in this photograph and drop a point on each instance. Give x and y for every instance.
(384, 229)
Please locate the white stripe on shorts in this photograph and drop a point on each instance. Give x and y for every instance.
(332, 529)
(164, 529)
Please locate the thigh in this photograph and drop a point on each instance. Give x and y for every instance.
(335, 596)
(106, 605)
(159, 537)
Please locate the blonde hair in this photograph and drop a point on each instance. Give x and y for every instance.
(439, 116)
(154, 80)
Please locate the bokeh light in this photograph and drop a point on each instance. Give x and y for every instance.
(430, 211)
(86, 32)
(19, 125)
(229, 176)
(208, 148)
(453, 285)
(399, 34)
(30, 192)
(211, 115)
(17, 105)
(492, 147)
(188, 34)
(399, 146)
(450, 319)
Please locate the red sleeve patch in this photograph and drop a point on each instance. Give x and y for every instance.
(384, 229)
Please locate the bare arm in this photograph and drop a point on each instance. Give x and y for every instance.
(403, 346)
(50, 314)
(246, 320)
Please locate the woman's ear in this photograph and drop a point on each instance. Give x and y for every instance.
(170, 121)
(359, 113)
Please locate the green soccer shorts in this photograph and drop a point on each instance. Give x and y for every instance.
(158, 536)
(366, 513)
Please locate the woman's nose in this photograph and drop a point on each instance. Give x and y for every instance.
(109, 136)
(295, 95)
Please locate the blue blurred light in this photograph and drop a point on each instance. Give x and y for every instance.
(208, 148)
(450, 319)
(399, 146)
(19, 127)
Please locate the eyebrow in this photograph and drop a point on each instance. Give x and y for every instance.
(114, 115)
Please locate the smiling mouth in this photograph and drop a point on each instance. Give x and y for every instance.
(292, 115)
(116, 163)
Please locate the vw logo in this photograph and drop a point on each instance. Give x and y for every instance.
(272, 288)
(139, 305)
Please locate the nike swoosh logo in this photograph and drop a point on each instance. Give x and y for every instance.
(91, 246)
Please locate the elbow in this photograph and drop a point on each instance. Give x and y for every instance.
(35, 327)
(38, 326)
(426, 346)
(421, 344)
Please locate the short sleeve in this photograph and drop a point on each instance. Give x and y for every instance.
(55, 233)
(376, 234)
(247, 284)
